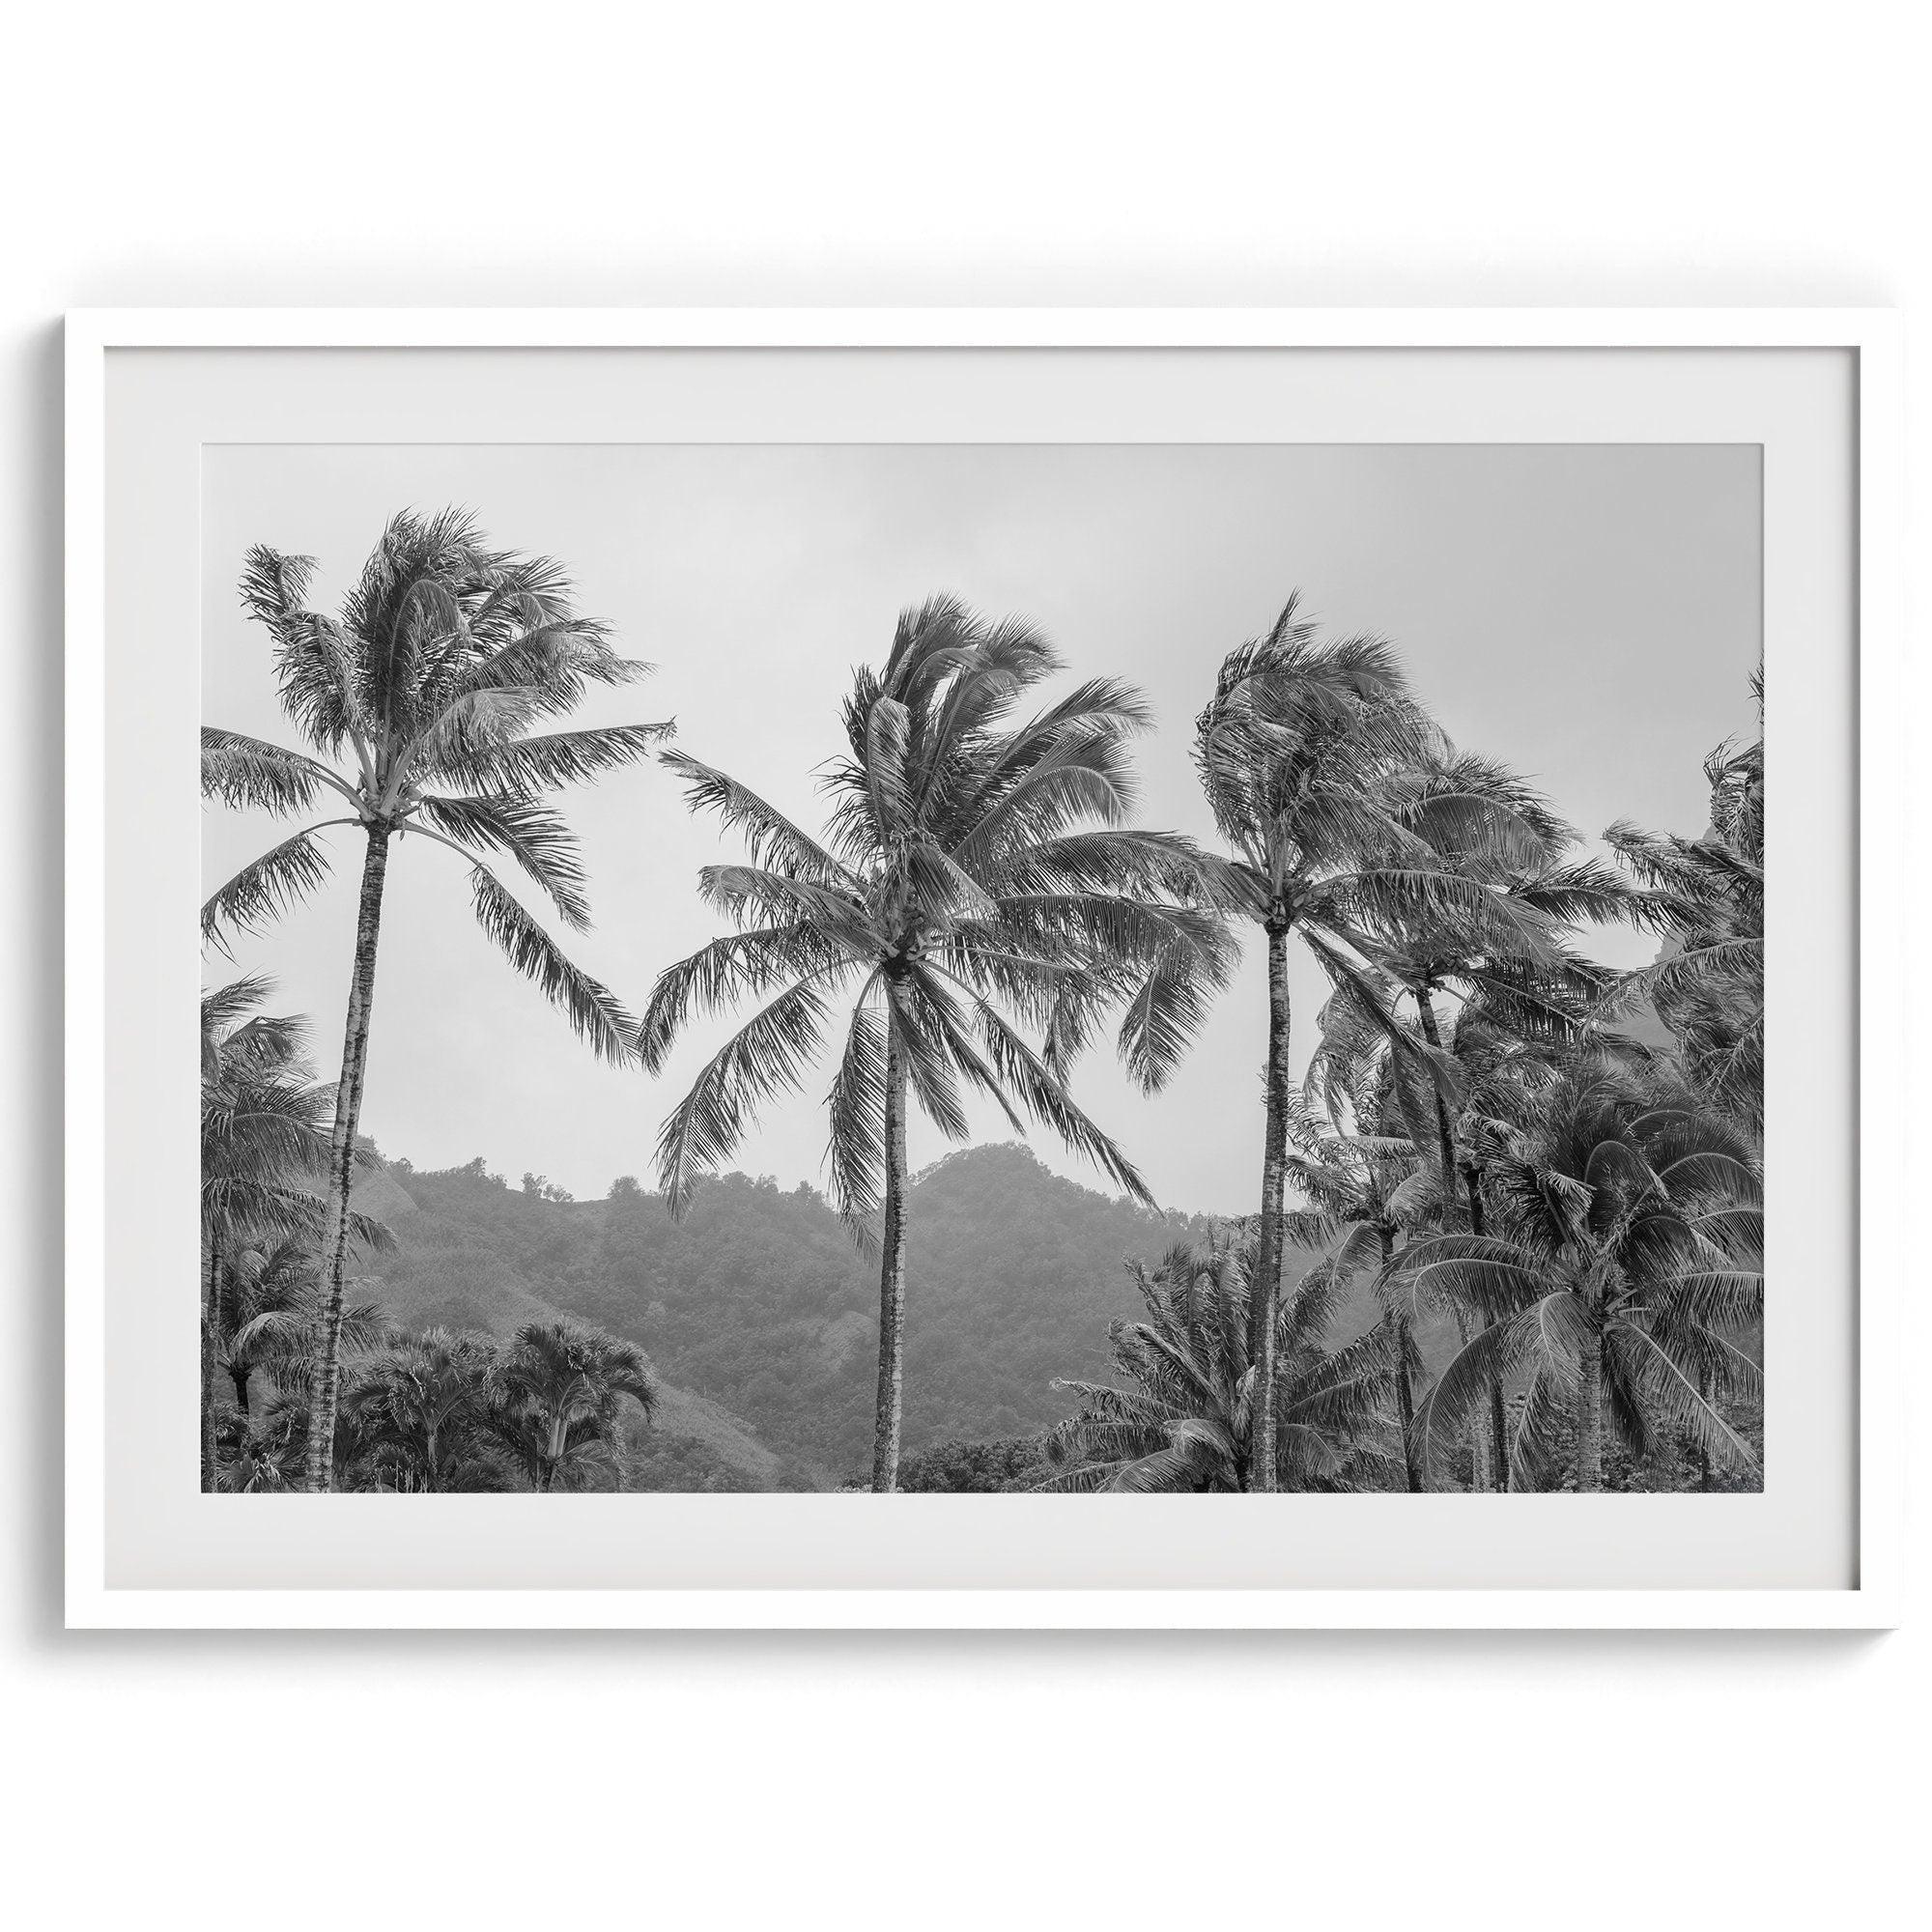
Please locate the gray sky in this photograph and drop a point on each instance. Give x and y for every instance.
(1589, 613)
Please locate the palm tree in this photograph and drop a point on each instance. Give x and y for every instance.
(419, 1417)
(1708, 895)
(1516, 968)
(977, 879)
(556, 1400)
(1366, 1192)
(1182, 1415)
(272, 1311)
(1496, 831)
(1630, 1241)
(1316, 764)
(263, 1139)
(420, 696)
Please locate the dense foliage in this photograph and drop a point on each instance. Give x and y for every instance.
(1180, 1415)
(548, 1408)
(975, 1468)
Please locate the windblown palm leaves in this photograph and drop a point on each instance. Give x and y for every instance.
(1707, 896)
(974, 912)
(1504, 950)
(1506, 963)
(1337, 798)
(1181, 1417)
(1626, 1269)
(418, 702)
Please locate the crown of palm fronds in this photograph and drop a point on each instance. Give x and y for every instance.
(1503, 952)
(1359, 1187)
(976, 900)
(1179, 1418)
(563, 1368)
(418, 1418)
(556, 1393)
(1622, 1218)
(423, 692)
(271, 1306)
(1401, 862)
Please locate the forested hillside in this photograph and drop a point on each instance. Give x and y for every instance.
(756, 1300)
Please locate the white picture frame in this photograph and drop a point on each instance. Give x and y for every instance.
(1872, 1594)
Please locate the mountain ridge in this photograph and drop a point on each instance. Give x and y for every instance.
(760, 1312)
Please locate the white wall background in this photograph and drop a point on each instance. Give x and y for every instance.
(485, 153)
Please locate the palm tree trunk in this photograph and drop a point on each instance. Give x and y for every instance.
(1491, 1464)
(892, 1275)
(1472, 1183)
(1590, 1409)
(327, 1382)
(1405, 1389)
(1266, 1296)
(1445, 1138)
(240, 1378)
(209, 1314)
(1704, 1441)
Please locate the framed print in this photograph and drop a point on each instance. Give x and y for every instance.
(983, 967)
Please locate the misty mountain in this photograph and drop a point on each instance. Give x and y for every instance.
(760, 1314)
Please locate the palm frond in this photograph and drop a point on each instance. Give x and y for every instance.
(594, 1013)
(854, 1150)
(770, 838)
(266, 888)
(535, 837)
(552, 759)
(250, 773)
(765, 1056)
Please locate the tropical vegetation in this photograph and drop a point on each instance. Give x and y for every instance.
(416, 701)
(1508, 1232)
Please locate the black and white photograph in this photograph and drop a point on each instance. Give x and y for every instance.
(1174, 969)
(1052, 888)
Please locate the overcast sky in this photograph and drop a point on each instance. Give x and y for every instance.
(1588, 613)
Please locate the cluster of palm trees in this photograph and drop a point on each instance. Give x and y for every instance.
(544, 1411)
(1475, 1132)
(1584, 1205)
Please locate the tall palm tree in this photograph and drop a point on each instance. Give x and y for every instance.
(263, 1143)
(1183, 1414)
(1631, 1241)
(1315, 762)
(557, 1392)
(977, 878)
(420, 696)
